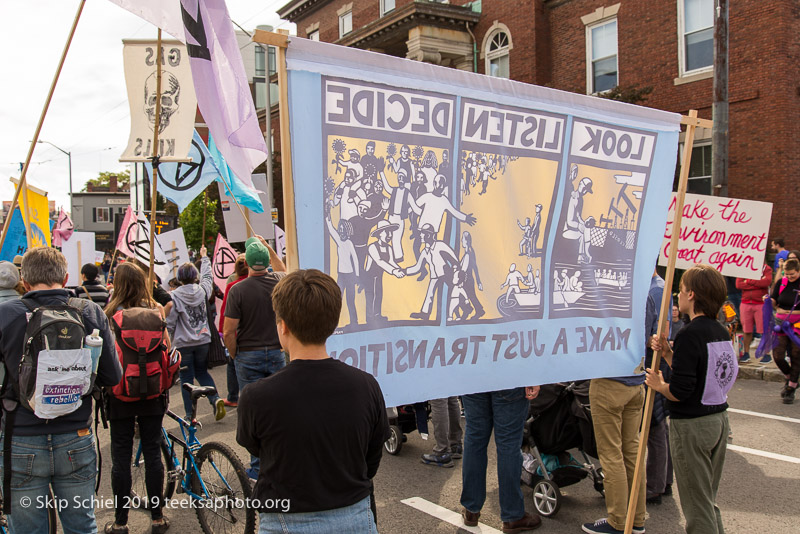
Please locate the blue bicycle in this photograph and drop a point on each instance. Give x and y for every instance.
(211, 474)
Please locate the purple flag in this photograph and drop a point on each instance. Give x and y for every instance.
(220, 81)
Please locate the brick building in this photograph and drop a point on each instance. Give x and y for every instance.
(591, 46)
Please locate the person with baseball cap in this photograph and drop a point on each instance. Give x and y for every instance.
(249, 330)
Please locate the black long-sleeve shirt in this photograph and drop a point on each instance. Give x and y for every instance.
(318, 427)
(786, 298)
(691, 380)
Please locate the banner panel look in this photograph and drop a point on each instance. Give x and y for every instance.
(178, 100)
(486, 234)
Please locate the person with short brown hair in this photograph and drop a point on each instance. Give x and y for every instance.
(314, 483)
(704, 367)
(785, 303)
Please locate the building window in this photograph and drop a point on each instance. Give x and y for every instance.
(700, 170)
(345, 23)
(386, 6)
(314, 36)
(497, 55)
(601, 56)
(102, 215)
(696, 35)
(261, 64)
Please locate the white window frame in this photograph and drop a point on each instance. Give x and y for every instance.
(384, 10)
(342, 18)
(589, 74)
(314, 36)
(495, 29)
(682, 72)
(106, 218)
(698, 144)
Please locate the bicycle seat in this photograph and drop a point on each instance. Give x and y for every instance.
(200, 391)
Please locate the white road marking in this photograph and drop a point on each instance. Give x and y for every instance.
(765, 454)
(449, 516)
(765, 415)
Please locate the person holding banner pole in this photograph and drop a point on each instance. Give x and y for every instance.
(704, 368)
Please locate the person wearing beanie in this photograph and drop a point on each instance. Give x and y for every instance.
(249, 330)
(9, 279)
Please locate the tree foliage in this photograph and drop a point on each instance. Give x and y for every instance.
(191, 220)
(103, 179)
(630, 95)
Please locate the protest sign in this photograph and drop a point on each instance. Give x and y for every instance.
(40, 214)
(78, 250)
(503, 234)
(727, 233)
(222, 265)
(16, 242)
(280, 241)
(173, 243)
(99, 256)
(178, 100)
(235, 227)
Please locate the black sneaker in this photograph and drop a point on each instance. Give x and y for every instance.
(456, 452)
(788, 398)
(667, 490)
(439, 460)
(785, 387)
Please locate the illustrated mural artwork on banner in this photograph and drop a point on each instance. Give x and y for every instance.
(178, 100)
(485, 234)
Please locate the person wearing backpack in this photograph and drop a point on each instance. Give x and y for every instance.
(187, 321)
(91, 288)
(132, 304)
(48, 415)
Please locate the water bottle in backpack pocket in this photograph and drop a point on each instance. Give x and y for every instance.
(147, 369)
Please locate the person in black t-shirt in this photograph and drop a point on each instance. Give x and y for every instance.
(704, 367)
(318, 425)
(784, 302)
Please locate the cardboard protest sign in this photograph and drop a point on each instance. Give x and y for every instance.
(504, 234)
(173, 243)
(235, 227)
(79, 250)
(178, 100)
(727, 233)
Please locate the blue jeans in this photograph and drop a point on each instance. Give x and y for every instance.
(252, 365)
(356, 518)
(506, 412)
(68, 463)
(194, 364)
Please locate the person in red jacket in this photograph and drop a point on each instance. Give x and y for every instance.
(753, 292)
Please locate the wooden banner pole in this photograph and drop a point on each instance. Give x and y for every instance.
(111, 267)
(665, 315)
(35, 139)
(154, 196)
(205, 205)
(281, 42)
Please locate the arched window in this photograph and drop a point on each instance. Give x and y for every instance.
(495, 50)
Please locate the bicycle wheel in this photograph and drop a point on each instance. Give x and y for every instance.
(138, 485)
(227, 487)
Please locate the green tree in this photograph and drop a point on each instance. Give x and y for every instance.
(631, 94)
(191, 220)
(102, 180)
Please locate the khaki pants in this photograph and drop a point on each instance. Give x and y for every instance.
(617, 416)
(698, 453)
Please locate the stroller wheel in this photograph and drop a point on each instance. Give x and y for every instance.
(395, 441)
(546, 498)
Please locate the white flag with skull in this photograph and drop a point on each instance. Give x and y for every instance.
(178, 100)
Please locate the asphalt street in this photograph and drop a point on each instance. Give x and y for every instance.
(758, 492)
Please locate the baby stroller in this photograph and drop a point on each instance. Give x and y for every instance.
(404, 420)
(560, 420)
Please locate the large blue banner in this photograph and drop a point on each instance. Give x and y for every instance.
(485, 233)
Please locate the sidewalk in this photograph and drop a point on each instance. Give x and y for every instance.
(755, 370)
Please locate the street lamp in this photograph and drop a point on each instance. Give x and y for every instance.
(69, 156)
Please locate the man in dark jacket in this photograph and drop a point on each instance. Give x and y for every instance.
(60, 451)
(91, 288)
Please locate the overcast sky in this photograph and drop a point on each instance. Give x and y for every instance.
(89, 114)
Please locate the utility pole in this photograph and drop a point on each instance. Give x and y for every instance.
(719, 106)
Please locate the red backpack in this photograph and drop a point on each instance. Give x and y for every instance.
(148, 369)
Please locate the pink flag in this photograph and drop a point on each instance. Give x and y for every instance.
(220, 82)
(122, 240)
(223, 261)
(63, 229)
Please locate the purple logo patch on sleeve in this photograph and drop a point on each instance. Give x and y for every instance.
(723, 368)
